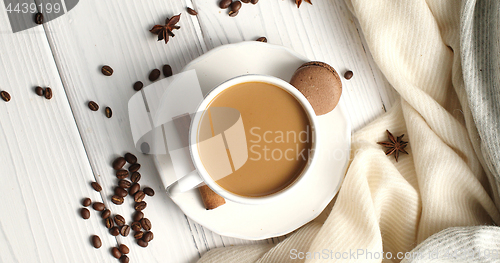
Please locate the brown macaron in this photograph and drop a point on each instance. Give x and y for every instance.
(320, 84)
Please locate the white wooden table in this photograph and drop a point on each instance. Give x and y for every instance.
(50, 150)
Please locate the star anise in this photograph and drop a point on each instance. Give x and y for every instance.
(394, 145)
(165, 32)
(298, 2)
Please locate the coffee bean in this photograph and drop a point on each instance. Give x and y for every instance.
(116, 252)
(114, 231)
(134, 167)
(148, 236)
(138, 235)
(154, 75)
(39, 91)
(262, 39)
(146, 224)
(223, 4)
(135, 177)
(233, 14)
(142, 243)
(138, 85)
(105, 214)
(96, 186)
(130, 158)
(254, 2)
(140, 206)
(124, 259)
(39, 18)
(191, 11)
(149, 191)
(348, 75)
(5, 95)
(98, 206)
(107, 70)
(117, 200)
(86, 202)
(167, 69)
(96, 241)
(125, 230)
(120, 192)
(118, 163)
(124, 183)
(138, 216)
(108, 112)
(136, 226)
(93, 106)
(235, 6)
(134, 188)
(119, 220)
(121, 174)
(124, 249)
(139, 196)
(85, 213)
(108, 222)
(48, 93)
(245, 1)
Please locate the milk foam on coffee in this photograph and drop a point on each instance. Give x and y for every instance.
(278, 139)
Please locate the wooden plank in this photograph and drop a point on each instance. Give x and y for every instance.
(45, 171)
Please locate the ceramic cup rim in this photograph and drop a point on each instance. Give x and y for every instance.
(194, 128)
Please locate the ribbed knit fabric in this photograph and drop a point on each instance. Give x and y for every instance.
(385, 209)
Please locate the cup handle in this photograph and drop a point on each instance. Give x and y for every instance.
(189, 181)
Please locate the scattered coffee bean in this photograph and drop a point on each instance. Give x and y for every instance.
(235, 6)
(108, 222)
(86, 202)
(48, 93)
(118, 163)
(191, 11)
(136, 226)
(96, 186)
(124, 183)
(107, 70)
(149, 191)
(135, 177)
(96, 241)
(124, 259)
(139, 196)
(85, 213)
(39, 18)
(130, 158)
(134, 188)
(119, 220)
(39, 91)
(140, 206)
(116, 252)
(125, 230)
(124, 249)
(148, 236)
(98, 206)
(154, 75)
(138, 216)
(134, 167)
(348, 75)
(142, 243)
(108, 112)
(114, 231)
(93, 106)
(233, 14)
(223, 4)
(120, 192)
(121, 174)
(105, 214)
(5, 95)
(146, 224)
(138, 85)
(262, 39)
(254, 2)
(245, 1)
(117, 200)
(138, 235)
(167, 70)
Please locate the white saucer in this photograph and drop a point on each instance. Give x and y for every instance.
(306, 203)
